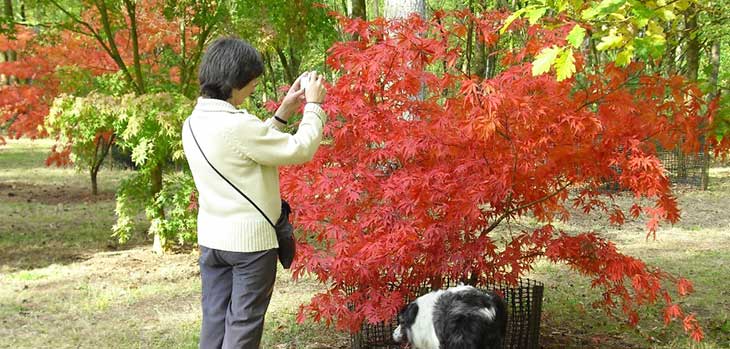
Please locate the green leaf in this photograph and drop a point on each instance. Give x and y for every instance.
(544, 60)
(535, 14)
(667, 14)
(623, 58)
(725, 327)
(565, 64)
(612, 40)
(576, 36)
(640, 22)
(514, 16)
(608, 6)
(604, 8)
(589, 13)
(682, 5)
(642, 13)
(141, 152)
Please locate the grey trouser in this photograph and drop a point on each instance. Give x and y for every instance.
(237, 288)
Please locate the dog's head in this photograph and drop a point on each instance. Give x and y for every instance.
(406, 318)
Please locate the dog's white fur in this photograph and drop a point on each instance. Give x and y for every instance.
(423, 326)
(424, 323)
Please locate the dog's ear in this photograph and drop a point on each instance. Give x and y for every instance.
(408, 315)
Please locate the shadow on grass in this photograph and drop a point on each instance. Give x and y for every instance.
(128, 299)
(35, 235)
(569, 321)
(49, 215)
(51, 194)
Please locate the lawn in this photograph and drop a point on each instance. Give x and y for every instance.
(64, 282)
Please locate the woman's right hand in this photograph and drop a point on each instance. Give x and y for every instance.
(315, 92)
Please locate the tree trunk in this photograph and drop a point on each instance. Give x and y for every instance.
(376, 8)
(269, 78)
(159, 244)
(668, 63)
(395, 9)
(8, 9)
(131, 8)
(294, 62)
(94, 186)
(469, 43)
(715, 72)
(693, 44)
(359, 9)
(692, 55)
(3, 78)
(714, 93)
(7, 56)
(110, 45)
(400, 9)
(102, 151)
(284, 64)
(23, 17)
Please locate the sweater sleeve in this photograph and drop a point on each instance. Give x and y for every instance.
(268, 146)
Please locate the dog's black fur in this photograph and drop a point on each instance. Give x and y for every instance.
(459, 325)
(463, 318)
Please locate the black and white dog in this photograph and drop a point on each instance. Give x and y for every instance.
(460, 317)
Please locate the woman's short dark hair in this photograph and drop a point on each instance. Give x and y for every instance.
(227, 64)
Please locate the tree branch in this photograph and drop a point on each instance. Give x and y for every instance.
(527, 205)
(76, 19)
(132, 13)
(113, 50)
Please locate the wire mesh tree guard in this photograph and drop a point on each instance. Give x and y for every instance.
(524, 307)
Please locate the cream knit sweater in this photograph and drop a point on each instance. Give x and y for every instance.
(247, 151)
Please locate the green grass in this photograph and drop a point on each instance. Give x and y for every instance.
(65, 283)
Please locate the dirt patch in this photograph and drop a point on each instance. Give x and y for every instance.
(557, 337)
(50, 194)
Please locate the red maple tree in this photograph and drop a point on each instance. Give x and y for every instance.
(24, 103)
(408, 189)
(41, 54)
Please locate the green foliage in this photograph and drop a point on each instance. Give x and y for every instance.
(84, 130)
(562, 58)
(294, 34)
(283, 23)
(133, 196)
(149, 128)
(74, 80)
(630, 28)
(177, 199)
(722, 119)
(113, 84)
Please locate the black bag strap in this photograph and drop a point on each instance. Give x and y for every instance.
(190, 127)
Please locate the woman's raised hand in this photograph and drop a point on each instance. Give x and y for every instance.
(316, 91)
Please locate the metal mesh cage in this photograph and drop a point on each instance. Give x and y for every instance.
(686, 169)
(524, 306)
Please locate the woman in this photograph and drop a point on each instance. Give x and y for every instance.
(238, 245)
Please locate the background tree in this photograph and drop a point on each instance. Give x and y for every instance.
(403, 9)
(149, 128)
(85, 131)
(291, 35)
(151, 46)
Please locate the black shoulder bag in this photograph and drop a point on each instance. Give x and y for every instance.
(284, 229)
